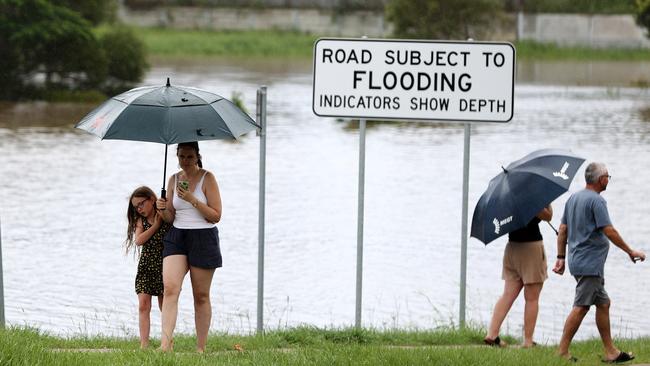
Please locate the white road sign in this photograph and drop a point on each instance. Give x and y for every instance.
(419, 80)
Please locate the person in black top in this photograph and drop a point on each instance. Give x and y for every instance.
(524, 266)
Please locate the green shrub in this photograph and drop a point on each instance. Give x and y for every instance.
(442, 19)
(126, 57)
(37, 37)
(94, 11)
(46, 47)
(643, 14)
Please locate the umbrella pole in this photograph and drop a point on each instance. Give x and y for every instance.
(552, 227)
(163, 191)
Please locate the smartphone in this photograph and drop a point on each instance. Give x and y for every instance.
(184, 184)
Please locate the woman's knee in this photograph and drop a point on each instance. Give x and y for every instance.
(171, 289)
(512, 288)
(201, 297)
(532, 291)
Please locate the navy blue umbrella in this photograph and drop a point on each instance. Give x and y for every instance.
(523, 189)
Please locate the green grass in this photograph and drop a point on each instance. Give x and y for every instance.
(171, 42)
(174, 42)
(544, 51)
(298, 346)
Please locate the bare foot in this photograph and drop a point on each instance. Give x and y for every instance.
(529, 345)
(167, 348)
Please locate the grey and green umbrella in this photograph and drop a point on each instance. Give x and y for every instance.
(167, 115)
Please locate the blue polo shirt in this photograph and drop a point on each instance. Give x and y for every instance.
(585, 215)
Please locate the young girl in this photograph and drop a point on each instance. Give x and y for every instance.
(146, 230)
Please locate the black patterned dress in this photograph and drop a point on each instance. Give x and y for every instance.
(149, 277)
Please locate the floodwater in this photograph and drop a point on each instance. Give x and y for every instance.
(64, 194)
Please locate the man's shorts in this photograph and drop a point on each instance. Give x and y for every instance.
(201, 246)
(590, 290)
(525, 261)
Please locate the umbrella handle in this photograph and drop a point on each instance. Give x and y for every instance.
(163, 191)
(552, 227)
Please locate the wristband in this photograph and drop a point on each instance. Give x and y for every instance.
(561, 256)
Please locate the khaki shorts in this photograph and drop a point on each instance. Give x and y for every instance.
(525, 261)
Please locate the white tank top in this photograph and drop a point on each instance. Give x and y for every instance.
(187, 216)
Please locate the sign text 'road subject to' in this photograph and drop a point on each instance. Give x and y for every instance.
(393, 79)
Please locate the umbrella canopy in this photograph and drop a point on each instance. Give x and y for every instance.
(168, 115)
(523, 189)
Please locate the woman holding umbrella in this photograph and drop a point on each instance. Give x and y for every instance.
(192, 244)
(524, 266)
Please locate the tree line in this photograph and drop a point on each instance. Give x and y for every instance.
(529, 6)
(52, 45)
(462, 19)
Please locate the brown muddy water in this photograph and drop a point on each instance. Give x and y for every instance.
(64, 194)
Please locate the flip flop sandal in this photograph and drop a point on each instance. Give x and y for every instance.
(622, 357)
(496, 342)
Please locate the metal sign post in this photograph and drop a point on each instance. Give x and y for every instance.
(2, 294)
(463, 226)
(261, 120)
(360, 209)
(413, 80)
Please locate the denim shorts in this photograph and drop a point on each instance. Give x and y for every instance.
(201, 246)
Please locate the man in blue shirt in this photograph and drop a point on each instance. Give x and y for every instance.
(587, 229)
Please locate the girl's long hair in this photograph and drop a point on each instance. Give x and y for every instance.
(133, 216)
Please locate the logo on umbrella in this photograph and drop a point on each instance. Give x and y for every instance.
(498, 224)
(562, 172)
(99, 121)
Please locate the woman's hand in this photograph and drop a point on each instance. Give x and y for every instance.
(186, 195)
(546, 213)
(161, 204)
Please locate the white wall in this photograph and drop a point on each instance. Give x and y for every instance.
(583, 30)
(563, 29)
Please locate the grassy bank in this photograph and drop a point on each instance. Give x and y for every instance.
(543, 51)
(298, 346)
(173, 43)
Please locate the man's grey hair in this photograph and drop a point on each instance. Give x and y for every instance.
(594, 171)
